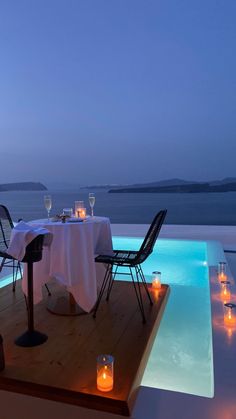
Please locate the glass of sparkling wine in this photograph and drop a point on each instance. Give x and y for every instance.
(48, 204)
(91, 201)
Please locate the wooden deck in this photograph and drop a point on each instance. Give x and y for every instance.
(64, 368)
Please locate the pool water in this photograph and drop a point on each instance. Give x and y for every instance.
(181, 358)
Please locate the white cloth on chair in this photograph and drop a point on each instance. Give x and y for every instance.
(23, 234)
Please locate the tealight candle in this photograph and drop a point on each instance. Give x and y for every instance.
(82, 212)
(225, 291)
(105, 379)
(222, 277)
(222, 271)
(229, 317)
(78, 205)
(156, 280)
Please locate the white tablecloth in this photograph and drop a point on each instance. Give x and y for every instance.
(70, 258)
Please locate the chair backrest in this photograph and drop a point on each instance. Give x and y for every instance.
(151, 237)
(6, 225)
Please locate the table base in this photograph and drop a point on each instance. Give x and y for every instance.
(64, 305)
(31, 338)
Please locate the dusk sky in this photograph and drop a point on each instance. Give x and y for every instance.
(117, 91)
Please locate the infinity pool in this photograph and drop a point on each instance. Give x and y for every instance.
(181, 358)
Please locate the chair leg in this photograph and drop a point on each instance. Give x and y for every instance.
(16, 269)
(19, 267)
(103, 287)
(26, 302)
(140, 272)
(14, 275)
(138, 294)
(2, 264)
(111, 282)
(48, 290)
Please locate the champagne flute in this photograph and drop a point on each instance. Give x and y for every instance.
(48, 204)
(91, 201)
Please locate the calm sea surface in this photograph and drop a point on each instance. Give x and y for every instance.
(212, 208)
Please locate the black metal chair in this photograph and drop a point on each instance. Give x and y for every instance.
(132, 260)
(6, 225)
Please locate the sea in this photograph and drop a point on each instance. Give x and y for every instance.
(129, 208)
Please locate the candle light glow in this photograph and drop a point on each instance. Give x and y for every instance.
(222, 271)
(225, 291)
(82, 212)
(105, 380)
(229, 317)
(156, 280)
(222, 276)
(78, 205)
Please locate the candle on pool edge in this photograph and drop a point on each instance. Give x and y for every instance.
(156, 280)
(229, 316)
(222, 277)
(105, 378)
(225, 291)
(222, 271)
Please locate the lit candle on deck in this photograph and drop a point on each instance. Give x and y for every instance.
(222, 277)
(222, 271)
(105, 379)
(156, 280)
(225, 291)
(229, 316)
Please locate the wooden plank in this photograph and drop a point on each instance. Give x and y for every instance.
(64, 368)
(9, 297)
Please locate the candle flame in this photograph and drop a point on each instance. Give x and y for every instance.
(222, 276)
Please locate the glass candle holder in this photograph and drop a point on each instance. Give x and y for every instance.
(229, 314)
(78, 205)
(222, 271)
(67, 211)
(82, 212)
(105, 372)
(156, 280)
(225, 291)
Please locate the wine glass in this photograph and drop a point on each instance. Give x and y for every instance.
(91, 201)
(48, 204)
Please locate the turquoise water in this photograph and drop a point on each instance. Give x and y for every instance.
(181, 358)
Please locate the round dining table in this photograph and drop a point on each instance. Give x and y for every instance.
(70, 259)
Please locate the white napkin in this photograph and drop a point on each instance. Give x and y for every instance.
(21, 235)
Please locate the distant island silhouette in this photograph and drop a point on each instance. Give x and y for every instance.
(180, 186)
(174, 185)
(22, 186)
